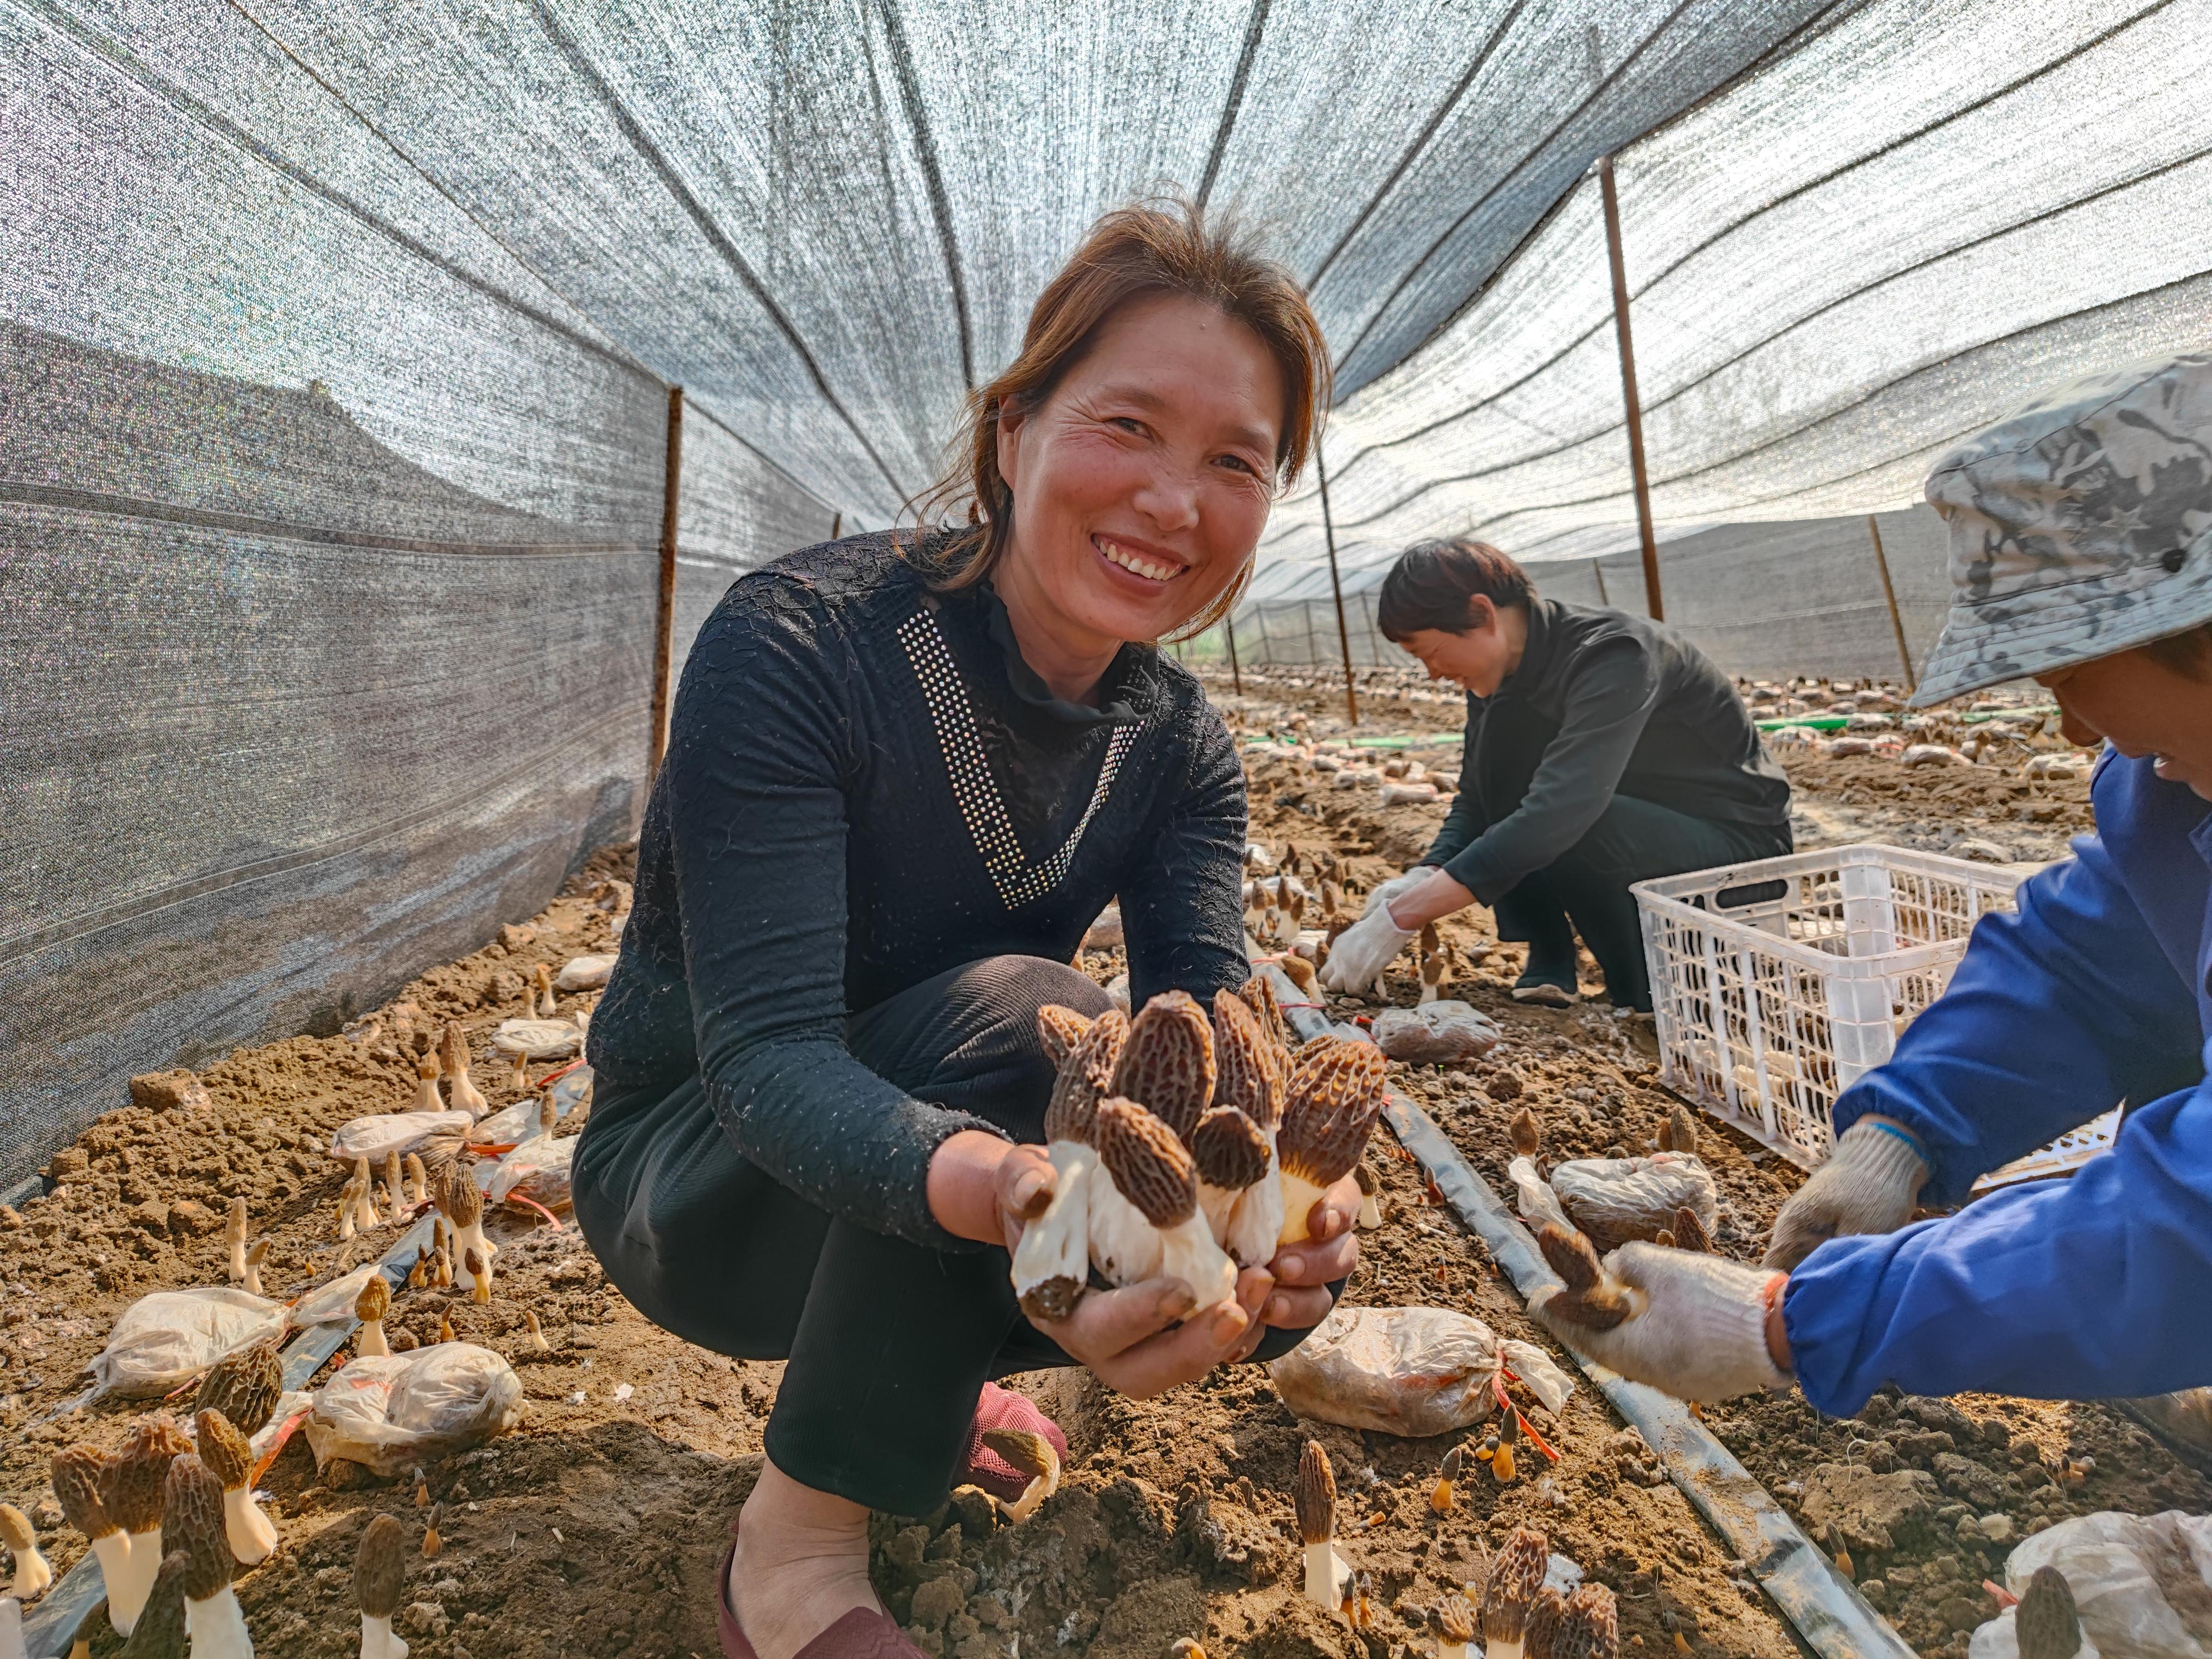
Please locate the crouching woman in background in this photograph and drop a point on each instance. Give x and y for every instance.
(905, 773)
(1601, 750)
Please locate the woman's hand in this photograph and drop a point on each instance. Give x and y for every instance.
(1303, 1271)
(1130, 1341)
(987, 1189)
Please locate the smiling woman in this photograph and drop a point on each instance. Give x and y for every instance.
(905, 771)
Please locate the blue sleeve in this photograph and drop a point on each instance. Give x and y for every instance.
(2085, 1289)
(2057, 1012)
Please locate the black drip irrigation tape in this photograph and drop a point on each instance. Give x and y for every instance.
(49, 1628)
(1822, 1605)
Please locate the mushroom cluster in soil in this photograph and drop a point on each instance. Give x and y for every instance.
(1188, 1146)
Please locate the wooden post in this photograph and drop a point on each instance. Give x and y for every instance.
(1266, 645)
(1336, 588)
(1889, 596)
(1628, 391)
(1229, 633)
(1597, 570)
(664, 639)
(836, 526)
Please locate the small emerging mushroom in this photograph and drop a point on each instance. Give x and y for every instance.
(1314, 1501)
(32, 1574)
(1440, 1498)
(1370, 1208)
(132, 1486)
(463, 1205)
(78, 1476)
(454, 1051)
(1501, 1460)
(1434, 969)
(537, 1342)
(1454, 1622)
(160, 1633)
(364, 1206)
(1363, 1607)
(1035, 1456)
(379, 1573)
(1593, 1299)
(370, 1308)
(192, 1503)
(427, 1071)
(1510, 1593)
(546, 1008)
(1678, 1133)
(433, 1543)
(229, 1457)
(395, 1185)
(445, 1328)
(2046, 1624)
(477, 1272)
(234, 1234)
(254, 1257)
(1522, 1129)
(349, 1208)
(418, 1180)
(244, 1387)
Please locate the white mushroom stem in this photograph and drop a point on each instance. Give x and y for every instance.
(1299, 1196)
(371, 1344)
(1326, 1575)
(1123, 1243)
(251, 1282)
(1187, 1252)
(1370, 1211)
(1256, 1221)
(217, 1627)
(1039, 1488)
(131, 1578)
(252, 1536)
(1057, 1244)
(471, 1237)
(112, 1551)
(378, 1640)
(1451, 1650)
(236, 1229)
(364, 1206)
(1216, 1204)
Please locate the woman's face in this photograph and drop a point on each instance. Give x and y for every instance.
(1142, 483)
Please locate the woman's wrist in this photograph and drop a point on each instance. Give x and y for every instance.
(963, 1184)
(1437, 896)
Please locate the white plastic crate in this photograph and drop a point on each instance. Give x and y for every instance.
(1778, 983)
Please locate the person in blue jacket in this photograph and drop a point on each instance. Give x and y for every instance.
(2081, 557)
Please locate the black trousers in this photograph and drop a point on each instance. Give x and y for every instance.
(889, 1343)
(1585, 888)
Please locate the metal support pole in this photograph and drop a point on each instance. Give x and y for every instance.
(1889, 597)
(1628, 391)
(663, 635)
(1335, 587)
(1266, 645)
(1598, 571)
(1229, 633)
(1312, 651)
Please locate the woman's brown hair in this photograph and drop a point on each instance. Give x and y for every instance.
(1147, 248)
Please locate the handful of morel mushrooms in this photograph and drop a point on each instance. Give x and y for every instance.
(1187, 1147)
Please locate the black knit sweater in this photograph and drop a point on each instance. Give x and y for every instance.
(866, 786)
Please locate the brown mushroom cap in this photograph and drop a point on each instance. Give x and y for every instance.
(191, 1519)
(1248, 1062)
(1590, 1627)
(458, 1196)
(1540, 1636)
(1167, 1064)
(1682, 1129)
(244, 1387)
(1028, 1451)
(1522, 1128)
(1454, 1620)
(77, 1476)
(1152, 1167)
(2047, 1625)
(1229, 1149)
(1059, 1030)
(1314, 1498)
(1364, 1175)
(15, 1530)
(380, 1570)
(225, 1450)
(1083, 1078)
(1515, 1577)
(1591, 1299)
(374, 1300)
(160, 1631)
(1335, 1094)
(133, 1479)
(453, 1052)
(1454, 1460)
(1259, 996)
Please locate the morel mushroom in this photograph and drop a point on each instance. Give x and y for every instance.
(454, 1051)
(1167, 1064)
(1052, 1259)
(160, 1633)
(1249, 1077)
(1454, 1620)
(426, 1096)
(370, 1308)
(379, 1573)
(1232, 1157)
(32, 1574)
(364, 1203)
(192, 1503)
(1035, 1456)
(545, 1006)
(1590, 1626)
(1510, 1593)
(132, 1484)
(463, 1205)
(1059, 1030)
(234, 1235)
(1314, 1500)
(1592, 1297)
(1335, 1094)
(230, 1459)
(1540, 1639)
(1153, 1171)
(2046, 1625)
(254, 1257)
(244, 1387)
(1370, 1206)
(1440, 1496)
(78, 1475)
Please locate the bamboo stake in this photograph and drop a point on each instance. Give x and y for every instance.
(664, 637)
(1889, 597)
(1229, 633)
(1635, 467)
(1336, 588)
(1598, 571)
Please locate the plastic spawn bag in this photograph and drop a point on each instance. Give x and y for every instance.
(1408, 1372)
(2143, 1585)
(329, 1303)
(393, 1411)
(519, 1123)
(403, 1132)
(537, 1171)
(164, 1341)
(1614, 1199)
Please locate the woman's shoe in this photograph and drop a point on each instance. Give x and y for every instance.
(863, 1633)
(1002, 1408)
(1545, 990)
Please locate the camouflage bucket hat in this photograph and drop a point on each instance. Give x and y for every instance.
(2081, 526)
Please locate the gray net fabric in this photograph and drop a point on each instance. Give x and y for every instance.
(335, 339)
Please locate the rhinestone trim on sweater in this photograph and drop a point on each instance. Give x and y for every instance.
(973, 790)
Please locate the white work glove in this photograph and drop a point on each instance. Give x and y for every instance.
(1358, 955)
(1867, 1185)
(1701, 1330)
